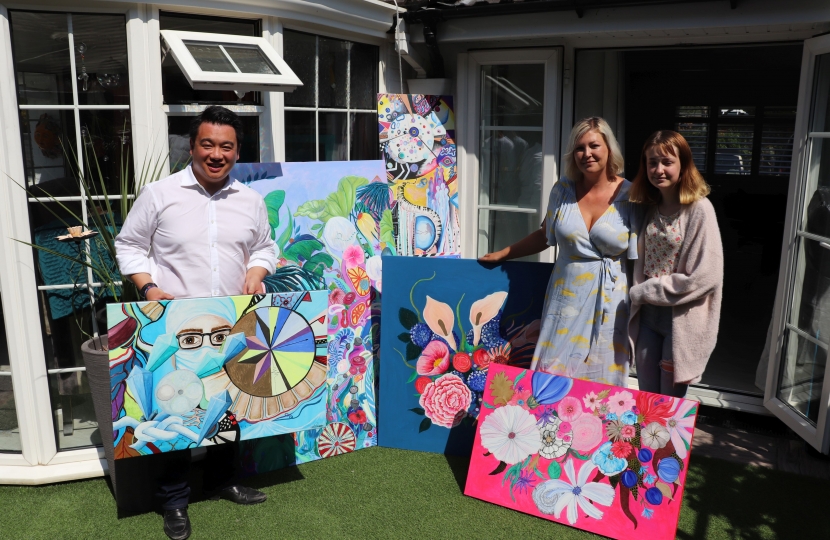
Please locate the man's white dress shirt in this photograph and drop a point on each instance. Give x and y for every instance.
(193, 244)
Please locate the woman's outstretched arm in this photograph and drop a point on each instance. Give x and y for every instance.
(534, 243)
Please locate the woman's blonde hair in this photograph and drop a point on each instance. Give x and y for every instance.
(692, 185)
(615, 162)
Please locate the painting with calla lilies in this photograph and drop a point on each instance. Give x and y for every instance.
(445, 322)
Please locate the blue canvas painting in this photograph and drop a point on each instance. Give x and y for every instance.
(205, 371)
(331, 222)
(445, 321)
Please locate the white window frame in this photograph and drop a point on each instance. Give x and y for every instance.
(316, 109)
(468, 129)
(285, 81)
(817, 435)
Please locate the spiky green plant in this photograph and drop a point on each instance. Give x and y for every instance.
(104, 217)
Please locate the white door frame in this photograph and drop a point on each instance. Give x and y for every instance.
(468, 111)
(816, 435)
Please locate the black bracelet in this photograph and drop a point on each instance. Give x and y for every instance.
(147, 287)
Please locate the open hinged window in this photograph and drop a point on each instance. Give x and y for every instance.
(227, 62)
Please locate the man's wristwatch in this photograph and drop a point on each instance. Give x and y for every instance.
(146, 288)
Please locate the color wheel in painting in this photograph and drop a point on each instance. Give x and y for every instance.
(280, 346)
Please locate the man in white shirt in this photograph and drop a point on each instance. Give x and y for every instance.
(199, 233)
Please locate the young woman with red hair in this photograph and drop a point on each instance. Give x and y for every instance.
(678, 279)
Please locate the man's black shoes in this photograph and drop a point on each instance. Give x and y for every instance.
(177, 524)
(240, 495)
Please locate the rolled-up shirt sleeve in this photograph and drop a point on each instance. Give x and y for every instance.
(132, 245)
(262, 251)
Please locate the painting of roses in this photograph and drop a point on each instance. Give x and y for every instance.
(446, 321)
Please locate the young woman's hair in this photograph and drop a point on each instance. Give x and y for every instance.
(615, 158)
(692, 185)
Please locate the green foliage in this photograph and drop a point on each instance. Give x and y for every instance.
(273, 203)
(408, 318)
(387, 230)
(338, 204)
(103, 216)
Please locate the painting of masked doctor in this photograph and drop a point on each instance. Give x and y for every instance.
(198, 372)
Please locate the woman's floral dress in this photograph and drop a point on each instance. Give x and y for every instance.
(584, 332)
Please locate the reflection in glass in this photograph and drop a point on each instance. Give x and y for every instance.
(101, 53)
(512, 95)
(497, 230)
(364, 137)
(802, 374)
(332, 136)
(9, 430)
(250, 60)
(821, 92)
(511, 168)
(299, 52)
(811, 289)
(50, 144)
(209, 57)
(45, 135)
(40, 42)
(300, 136)
(333, 63)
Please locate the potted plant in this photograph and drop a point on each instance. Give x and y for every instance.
(94, 249)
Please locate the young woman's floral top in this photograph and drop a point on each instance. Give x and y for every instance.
(584, 332)
(662, 245)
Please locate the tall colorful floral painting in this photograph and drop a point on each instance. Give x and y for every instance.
(417, 139)
(331, 222)
(205, 371)
(446, 321)
(600, 458)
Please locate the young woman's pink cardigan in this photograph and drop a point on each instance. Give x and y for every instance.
(694, 292)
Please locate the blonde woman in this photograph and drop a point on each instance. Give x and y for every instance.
(678, 282)
(589, 217)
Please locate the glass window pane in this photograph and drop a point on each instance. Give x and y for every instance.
(497, 230)
(692, 111)
(251, 60)
(101, 54)
(820, 120)
(178, 138)
(696, 133)
(300, 136)
(364, 137)
(511, 168)
(299, 52)
(40, 42)
(801, 375)
(512, 95)
(733, 153)
(175, 88)
(332, 136)
(817, 211)
(334, 59)
(363, 76)
(106, 136)
(9, 430)
(209, 57)
(811, 290)
(48, 138)
(776, 150)
(209, 25)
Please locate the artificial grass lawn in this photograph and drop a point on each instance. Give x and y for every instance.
(387, 493)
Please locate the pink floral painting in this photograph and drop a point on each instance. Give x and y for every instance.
(600, 458)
